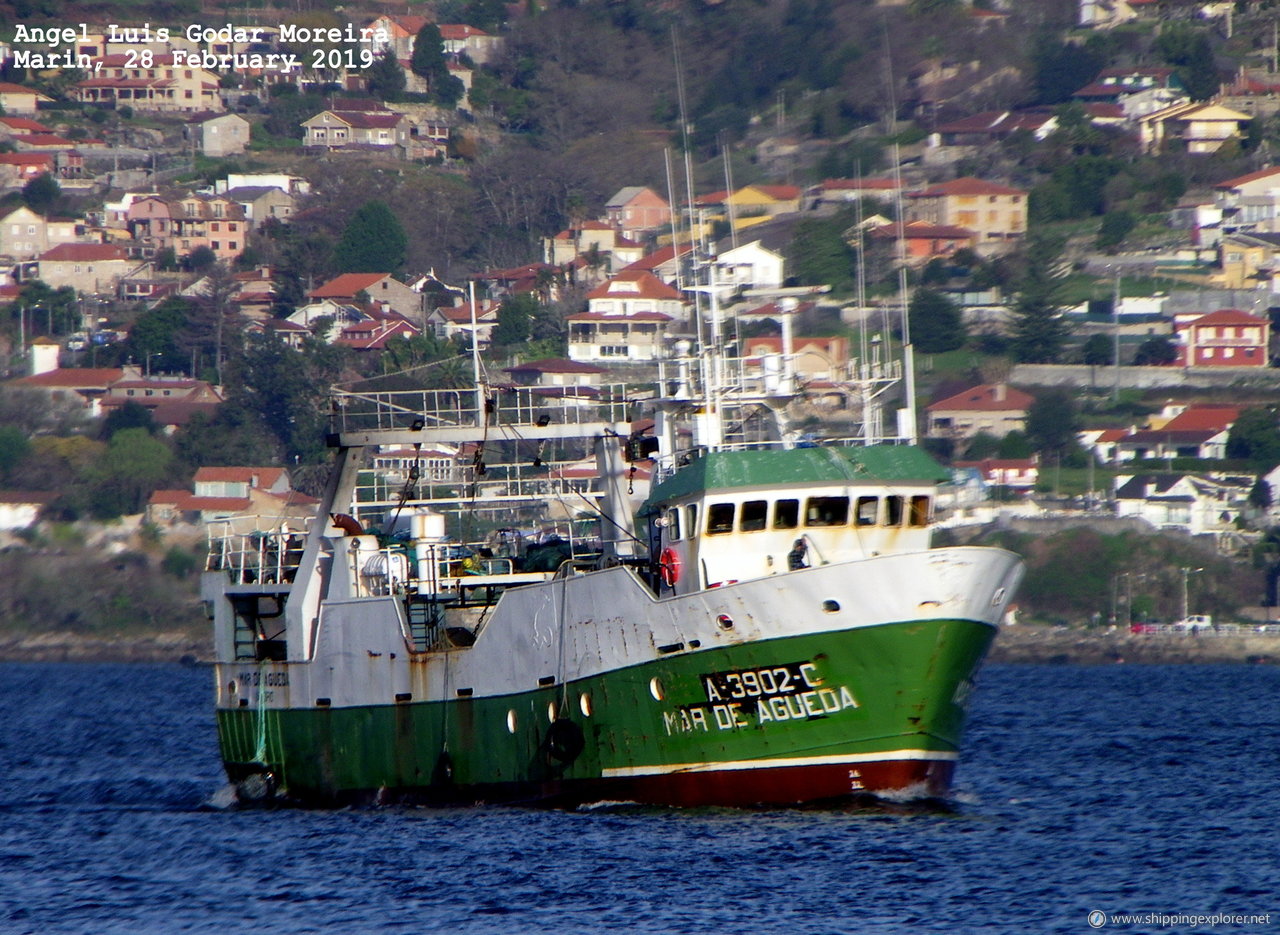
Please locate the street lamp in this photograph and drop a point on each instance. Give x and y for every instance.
(1186, 573)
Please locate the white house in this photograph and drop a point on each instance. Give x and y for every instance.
(1198, 504)
(751, 266)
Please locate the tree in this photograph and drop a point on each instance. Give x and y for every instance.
(1038, 327)
(1115, 227)
(131, 415)
(201, 259)
(1260, 494)
(514, 317)
(430, 63)
(936, 325)
(14, 446)
(41, 193)
(1052, 423)
(819, 254)
(1255, 436)
(372, 242)
(1156, 352)
(1098, 351)
(133, 464)
(1189, 51)
(386, 77)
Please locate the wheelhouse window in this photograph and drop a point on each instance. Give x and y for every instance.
(826, 511)
(786, 514)
(865, 514)
(919, 511)
(691, 518)
(719, 518)
(673, 523)
(893, 511)
(754, 514)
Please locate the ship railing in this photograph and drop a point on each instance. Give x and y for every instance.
(397, 410)
(255, 556)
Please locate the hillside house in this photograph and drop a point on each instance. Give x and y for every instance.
(359, 126)
(218, 135)
(991, 408)
(1199, 128)
(636, 211)
(1021, 474)
(85, 267)
(750, 266)
(25, 234)
(617, 337)
(1225, 338)
(919, 241)
(1198, 504)
(17, 100)
(638, 292)
(349, 288)
(555, 372)
(996, 214)
(163, 86)
(1250, 202)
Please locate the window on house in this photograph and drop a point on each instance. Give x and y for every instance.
(786, 514)
(826, 511)
(719, 518)
(754, 514)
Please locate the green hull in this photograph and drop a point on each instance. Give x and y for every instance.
(871, 709)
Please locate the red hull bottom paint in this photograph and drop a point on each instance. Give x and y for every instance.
(784, 785)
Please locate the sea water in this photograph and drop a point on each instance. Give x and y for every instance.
(1150, 791)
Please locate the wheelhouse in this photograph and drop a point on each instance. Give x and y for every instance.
(749, 511)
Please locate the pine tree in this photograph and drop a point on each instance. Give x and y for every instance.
(1039, 330)
(936, 325)
(373, 241)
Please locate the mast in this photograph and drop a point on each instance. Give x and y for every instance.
(907, 414)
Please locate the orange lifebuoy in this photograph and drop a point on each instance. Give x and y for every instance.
(669, 567)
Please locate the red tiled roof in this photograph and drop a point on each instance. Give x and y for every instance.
(347, 285)
(44, 139)
(26, 159)
(457, 31)
(923, 230)
(1199, 418)
(966, 186)
(267, 476)
(1227, 316)
(639, 284)
(74, 378)
(8, 87)
(655, 259)
(24, 123)
(1250, 177)
(983, 398)
(83, 253)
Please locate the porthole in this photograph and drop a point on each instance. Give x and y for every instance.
(584, 704)
(231, 687)
(511, 721)
(830, 607)
(724, 622)
(552, 711)
(655, 689)
(997, 597)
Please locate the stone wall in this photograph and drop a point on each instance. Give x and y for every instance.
(1145, 378)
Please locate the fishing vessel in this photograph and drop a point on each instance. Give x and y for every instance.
(771, 626)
